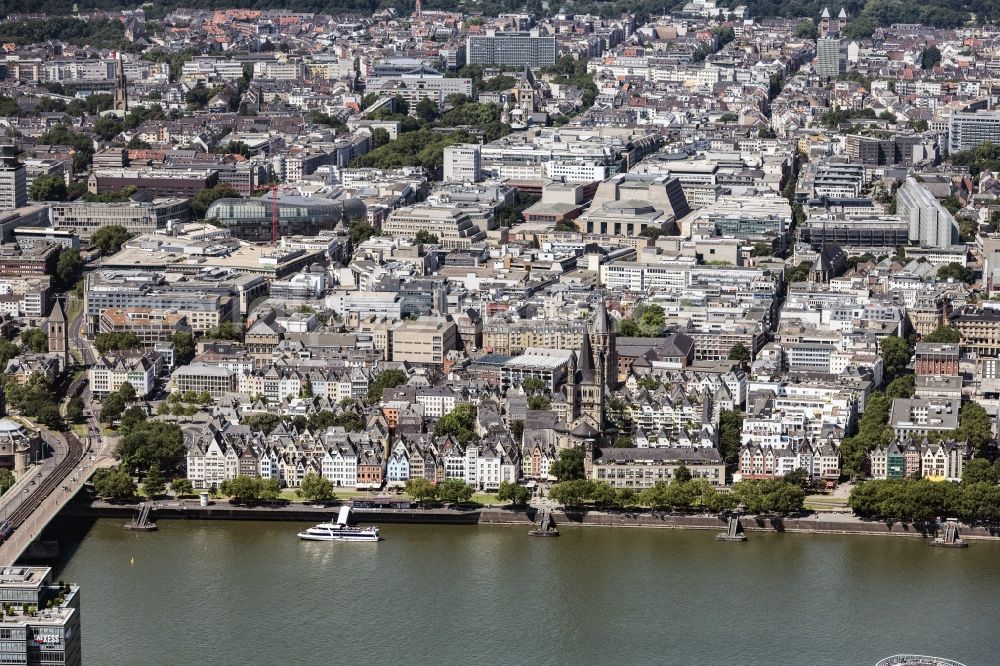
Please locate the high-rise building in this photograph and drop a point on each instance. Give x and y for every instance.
(966, 130)
(930, 224)
(515, 49)
(828, 59)
(463, 163)
(41, 624)
(13, 180)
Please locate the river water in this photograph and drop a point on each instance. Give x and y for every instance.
(242, 593)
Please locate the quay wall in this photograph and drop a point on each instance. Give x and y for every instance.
(810, 524)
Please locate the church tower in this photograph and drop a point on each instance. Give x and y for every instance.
(121, 87)
(59, 333)
(602, 344)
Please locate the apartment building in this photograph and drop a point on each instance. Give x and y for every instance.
(515, 49)
(110, 373)
(968, 129)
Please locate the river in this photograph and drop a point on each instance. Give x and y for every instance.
(247, 593)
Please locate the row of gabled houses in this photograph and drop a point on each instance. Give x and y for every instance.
(820, 458)
(369, 459)
(907, 458)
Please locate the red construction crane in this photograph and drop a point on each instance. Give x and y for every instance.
(274, 213)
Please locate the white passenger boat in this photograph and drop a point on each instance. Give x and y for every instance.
(340, 531)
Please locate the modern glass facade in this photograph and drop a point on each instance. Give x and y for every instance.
(250, 219)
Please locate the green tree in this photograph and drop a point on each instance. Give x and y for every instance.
(930, 57)
(427, 110)
(184, 347)
(626, 498)
(359, 232)
(652, 320)
(901, 387)
(112, 408)
(111, 238)
(956, 271)
(806, 30)
(242, 489)
(944, 334)
(6, 480)
(113, 483)
(69, 265)
(316, 488)
(151, 443)
(107, 128)
(74, 410)
(205, 198)
(459, 423)
(539, 403)
(571, 493)
(48, 187)
(730, 431)
(454, 491)
(798, 477)
(567, 226)
(980, 470)
(656, 497)
(682, 474)
(380, 137)
(35, 339)
(130, 418)
(127, 392)
(896, 353)
(602, 494)
(425, 237)
(154, 484)
(975, 428)
(349, 421)
(569, 467)
(421, 490)
(262, 422)
(739, 352)
(182, 487)
(108, 342)
(227, 330)
(268, 490)
(514, 493)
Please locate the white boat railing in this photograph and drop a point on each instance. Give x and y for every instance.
(917, 660)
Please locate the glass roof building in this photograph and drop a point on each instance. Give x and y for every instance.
(250, 219)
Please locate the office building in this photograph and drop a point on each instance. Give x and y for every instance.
(452, 227)
(876, 233)
(138, 217)
(155, 181)
(929, 223)
(966, 130)
(828, 62)
(425, 340)
(937, 358)
(463, 163)
(33, 631)
(13, 180)
(515, 49)
(206, 301)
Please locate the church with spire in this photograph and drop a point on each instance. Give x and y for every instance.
(121, 88)
(592, 378)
